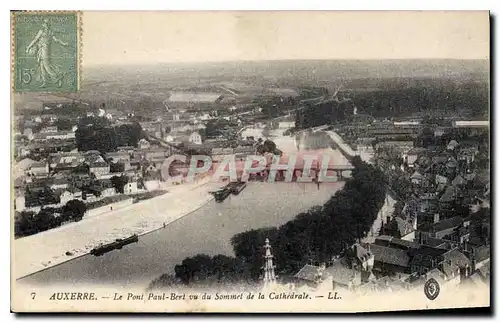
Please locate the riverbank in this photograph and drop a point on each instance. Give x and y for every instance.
(206, 230)
(47, 249)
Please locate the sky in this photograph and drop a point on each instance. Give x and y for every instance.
(150, 37)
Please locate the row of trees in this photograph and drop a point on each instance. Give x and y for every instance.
(95, 133)
(28, 223)
(323, 113)
(397, 97)
(313, 236)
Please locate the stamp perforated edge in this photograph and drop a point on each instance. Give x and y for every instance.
(79, 45)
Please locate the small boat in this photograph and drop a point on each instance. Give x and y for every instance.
(222, 194)
(117, 244)
(237, 187)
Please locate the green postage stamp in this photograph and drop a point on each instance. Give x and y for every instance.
(46, 51)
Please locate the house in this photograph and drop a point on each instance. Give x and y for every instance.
(39, 169)
(416, 178)
(342, 275)
(68, 160)
(99, 168)
(467, 154)
(407, 228)
(456, 264)
(390, 260)
(445, 227)
(471, 124)
(401, 147)
(128, 149)
(68, 195)
(458, 181)
(195, 138)
(429, 241)
(48, 129)
(413, 154)
(130, 188)
(58, 183)
(118, 156)
(449, 197)
(425, 258)
(60, 135)
(440, 179)
(143, 144)
(19, 201)
(243, 151)
(107, 191)
(392, 242)
(309, 275)
(439, 131)
(155, 155)
(481, 257)
(423, 161)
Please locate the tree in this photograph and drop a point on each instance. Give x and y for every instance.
(426, 138)
(45, 196)
(118, 183)
(128, 134)
(213, 128)
(116, 167)
(313, 236)
(97, 134)
(44, 220)
(64, 124)
(74, 210)
(165, 280)
(205, 270)
(391, 228)
(25, 224)
(81, 169)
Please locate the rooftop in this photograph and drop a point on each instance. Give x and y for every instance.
(389, 255)
(308, 272)
(481, 253)
(455, 257)
(447, 224)
(472, 123)
(395, 242)
(341, 273)
(449, 195)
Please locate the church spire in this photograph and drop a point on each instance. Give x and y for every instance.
(269, 276)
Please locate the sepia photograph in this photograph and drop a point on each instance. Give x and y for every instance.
(250, 161)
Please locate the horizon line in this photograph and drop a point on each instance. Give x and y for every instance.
(284, 60)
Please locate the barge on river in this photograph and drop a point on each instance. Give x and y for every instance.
(221, 194)
(236, 187)
(117, 244)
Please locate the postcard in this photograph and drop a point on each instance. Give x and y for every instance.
(250, 161)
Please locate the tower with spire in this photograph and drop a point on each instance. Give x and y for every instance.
(269, 276)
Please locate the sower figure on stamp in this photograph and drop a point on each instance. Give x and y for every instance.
(42, 44)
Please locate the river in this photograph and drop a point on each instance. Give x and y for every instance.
(207, 230)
